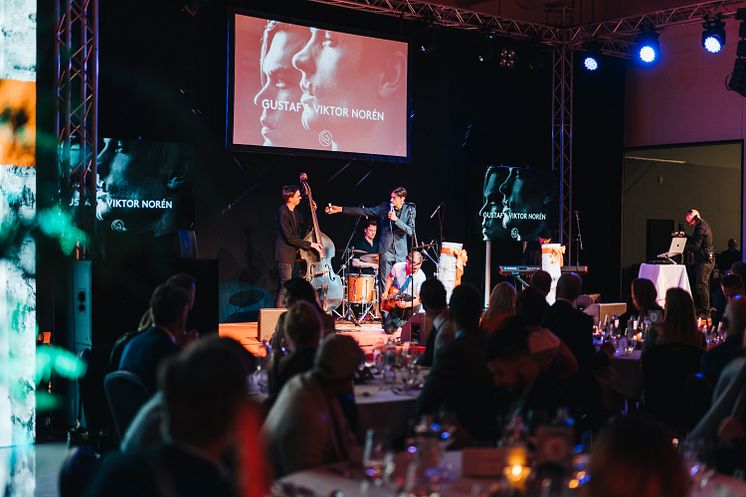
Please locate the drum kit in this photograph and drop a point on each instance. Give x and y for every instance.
(361, 295)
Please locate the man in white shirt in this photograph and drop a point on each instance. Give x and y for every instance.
(401, 294)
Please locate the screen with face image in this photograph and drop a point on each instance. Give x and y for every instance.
(520, 204)
(309, 88)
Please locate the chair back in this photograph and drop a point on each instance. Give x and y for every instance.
(699, 394)
(666, 369)
(126, 394)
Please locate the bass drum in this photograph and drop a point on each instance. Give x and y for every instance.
(361, 289)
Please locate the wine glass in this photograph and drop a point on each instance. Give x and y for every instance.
(378, 458)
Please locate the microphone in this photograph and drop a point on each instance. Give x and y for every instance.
(436, 210)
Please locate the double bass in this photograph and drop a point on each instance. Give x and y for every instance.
(319, 271)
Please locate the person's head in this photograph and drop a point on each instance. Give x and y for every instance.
(732, 285)
(281, 126)
(735, 315)
(644, 295)
(732, 244)
(370, 229)
(397, 197)
(433, 296)
(291, 195)
(509, 358)
(350, 73)
(542, 281)
(569, 286)
(187, 282)
(465, 307)
(531, 305)
(298, 289)
(502, 300)
(679, 322)
(739, 268)
(169, 306)
(336, 361)
(692, 217)
(414, 261)
(135, 172)
(202, 400)
(302, 325)
(545, 236)
(636, 456)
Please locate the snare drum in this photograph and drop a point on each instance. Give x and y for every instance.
(361, 289)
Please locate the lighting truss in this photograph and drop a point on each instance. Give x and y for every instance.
(76, 51)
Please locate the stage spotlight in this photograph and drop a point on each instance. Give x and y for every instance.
(506, 58)
(713, 36)
(648, 47)
(590, 62)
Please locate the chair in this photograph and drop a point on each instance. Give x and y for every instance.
(666, 369)
(699, 394)
(126, 394)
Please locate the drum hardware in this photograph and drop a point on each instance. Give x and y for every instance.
(374, 258)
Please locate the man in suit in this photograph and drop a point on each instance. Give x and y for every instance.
(459, 381)
(714, 360)
(576, 329)
(290, 231)
(433, 298)
(144, 354)
(396, 220)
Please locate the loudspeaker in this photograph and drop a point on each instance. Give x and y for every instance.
(268, 321)
(415, 329)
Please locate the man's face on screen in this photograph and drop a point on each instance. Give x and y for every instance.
(334, 72)
(281, 125)
(492, 208)
(517, 198)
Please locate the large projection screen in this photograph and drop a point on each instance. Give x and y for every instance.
(313, 89)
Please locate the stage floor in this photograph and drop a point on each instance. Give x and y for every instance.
(368, 336)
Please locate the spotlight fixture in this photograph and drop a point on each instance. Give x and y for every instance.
(506, 58)
(648, 47)
(590, 62)
(591, 59)
(713, 36)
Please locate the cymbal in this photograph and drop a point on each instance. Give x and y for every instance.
(369, 258)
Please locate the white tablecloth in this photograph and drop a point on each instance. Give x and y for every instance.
(665, 276)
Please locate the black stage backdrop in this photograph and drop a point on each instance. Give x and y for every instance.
(163, 77)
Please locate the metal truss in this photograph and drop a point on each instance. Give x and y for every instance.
(76, 52)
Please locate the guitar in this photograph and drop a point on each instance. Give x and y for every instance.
(319, 270)
(389, 302)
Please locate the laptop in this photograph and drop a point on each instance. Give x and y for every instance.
(677, 248)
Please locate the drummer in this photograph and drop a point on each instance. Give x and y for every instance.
(366, 249)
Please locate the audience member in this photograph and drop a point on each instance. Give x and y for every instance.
(679, 321)
(636, 456)
(727, 257)
(518, 374)
(305, 427)
(714, 360)
(576, 329)
(500, 308)
(644, 296)
(739, 268)
(302, 327)
(732, 285)
(459, 382)
(542, 281)
(205, 407)
(433, 298)
(145, 352)
(551, 352)
(298, 289)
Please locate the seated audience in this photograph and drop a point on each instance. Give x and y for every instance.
(714, 360)
(644, 297)
(433, 298)
(575, 329)
(302, 327)
(636, 456)
(298, 289)
(501, 307)
(552, 353)
(732, 285)
(459, 382)
(306, 427)
(206, 419)
(542, 281)
(739, 268)
(523, 385)
(144, 354)
(679, 321)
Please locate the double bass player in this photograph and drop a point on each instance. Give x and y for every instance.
(289, 239)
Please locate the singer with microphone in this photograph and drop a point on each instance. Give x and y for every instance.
(396, 221)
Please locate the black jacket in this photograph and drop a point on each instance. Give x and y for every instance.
(392, 236)
(290, 230)
(144, 354)
(700, 243)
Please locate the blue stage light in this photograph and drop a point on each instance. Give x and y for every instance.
(590, 63)
(648, 47)
(713, 36)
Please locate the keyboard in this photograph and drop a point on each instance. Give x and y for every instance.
(529, 270)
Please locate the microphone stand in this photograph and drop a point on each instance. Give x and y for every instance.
(578, 241)
(346, 308)
(411, 255)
